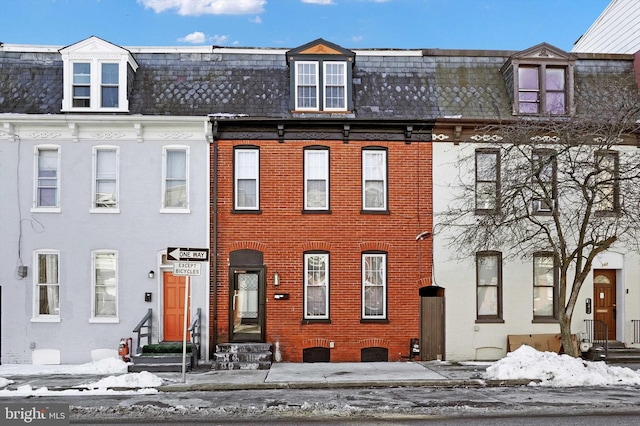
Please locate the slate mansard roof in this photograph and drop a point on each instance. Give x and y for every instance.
(387, 84)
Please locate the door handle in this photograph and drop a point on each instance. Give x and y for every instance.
(235, 294)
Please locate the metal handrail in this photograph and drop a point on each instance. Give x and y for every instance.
(195, 329)
(636, 331)
(145, 322)
(598, 334)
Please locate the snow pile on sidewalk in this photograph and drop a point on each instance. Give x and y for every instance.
(551, 369)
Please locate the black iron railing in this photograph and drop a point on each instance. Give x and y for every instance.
(636, 331)
(598, 334)
(145, 323)
(195, 329)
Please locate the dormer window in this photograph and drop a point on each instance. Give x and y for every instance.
(96, 74)
(542, 81)
(321, 74)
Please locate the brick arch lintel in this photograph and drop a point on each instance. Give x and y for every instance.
(316, 245)
(375, 246)
(251, 245)
(317, 342)
(372, 342)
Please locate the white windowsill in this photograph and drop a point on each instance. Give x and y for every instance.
(97, 320)
(53, 318)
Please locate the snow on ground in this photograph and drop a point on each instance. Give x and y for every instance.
(551, 369)
(114, 369)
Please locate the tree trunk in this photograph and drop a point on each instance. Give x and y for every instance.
(568, 344)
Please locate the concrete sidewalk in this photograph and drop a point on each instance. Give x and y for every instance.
(335, 375)
(296, 376)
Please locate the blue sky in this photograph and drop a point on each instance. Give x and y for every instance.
(403, 24)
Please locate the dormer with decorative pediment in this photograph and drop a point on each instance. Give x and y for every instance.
(540, 81)
(321, 78)
(97, 76)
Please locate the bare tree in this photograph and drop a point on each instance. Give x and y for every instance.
(566, 185)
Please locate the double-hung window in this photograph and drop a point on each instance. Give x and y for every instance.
(105, 184)
(545, 286)
(246, 185)
(374, 179)
(175, 195)
(81, 84)
(109, 85)
(487, 181)
(316, 286)
(374, 286)
(316, 179)
(105, 285)
(47, 285)
(606, 189)
(47, 179)
(542, 89)
(544, 179)
(489, 286)
(332, 83)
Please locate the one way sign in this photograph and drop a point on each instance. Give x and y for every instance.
(188, 254)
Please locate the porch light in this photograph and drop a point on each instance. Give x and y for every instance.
(151, 274)
(276, 279)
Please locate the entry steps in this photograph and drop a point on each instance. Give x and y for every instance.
(162, 357)
(243, 356)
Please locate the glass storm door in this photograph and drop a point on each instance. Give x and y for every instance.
(247, 306)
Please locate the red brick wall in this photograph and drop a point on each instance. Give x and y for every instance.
(283, 233)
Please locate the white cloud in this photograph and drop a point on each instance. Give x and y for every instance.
(196, 37)
(219, 39)
(206, 7)
(256, 20)
(357, 38)
(322, 2)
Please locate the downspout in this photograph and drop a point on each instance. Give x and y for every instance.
(214, 242)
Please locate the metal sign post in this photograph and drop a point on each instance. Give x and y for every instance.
(187, 264)
(184, 336)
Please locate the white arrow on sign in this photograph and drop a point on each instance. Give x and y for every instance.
(188, 254)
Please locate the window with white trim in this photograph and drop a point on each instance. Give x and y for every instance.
(374, 179)
(544, 177)
(606, 189)
(105, 284)
(105, 179)
(316, 179)
(246, 183)
(316, 286)
(46, 195)
(96, 75)
(489, 286)
(175, 182)
(374, 286)
(47, 285)
(332, 83)
(487, 181)
(545, 285)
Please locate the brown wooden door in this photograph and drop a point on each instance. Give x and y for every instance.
(604, 300)
(174, 307)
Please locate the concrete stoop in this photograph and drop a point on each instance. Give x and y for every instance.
(158, 363)
(243, 356)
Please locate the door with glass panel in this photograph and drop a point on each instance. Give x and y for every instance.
(247, 306)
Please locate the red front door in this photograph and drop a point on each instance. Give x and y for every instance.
(174, 307)
(604, 297)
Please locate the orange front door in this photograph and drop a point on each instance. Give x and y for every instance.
(604, 297)
(174, 307)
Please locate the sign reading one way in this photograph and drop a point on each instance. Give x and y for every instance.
(188, 254)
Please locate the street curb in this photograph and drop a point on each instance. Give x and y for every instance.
(341, 385)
